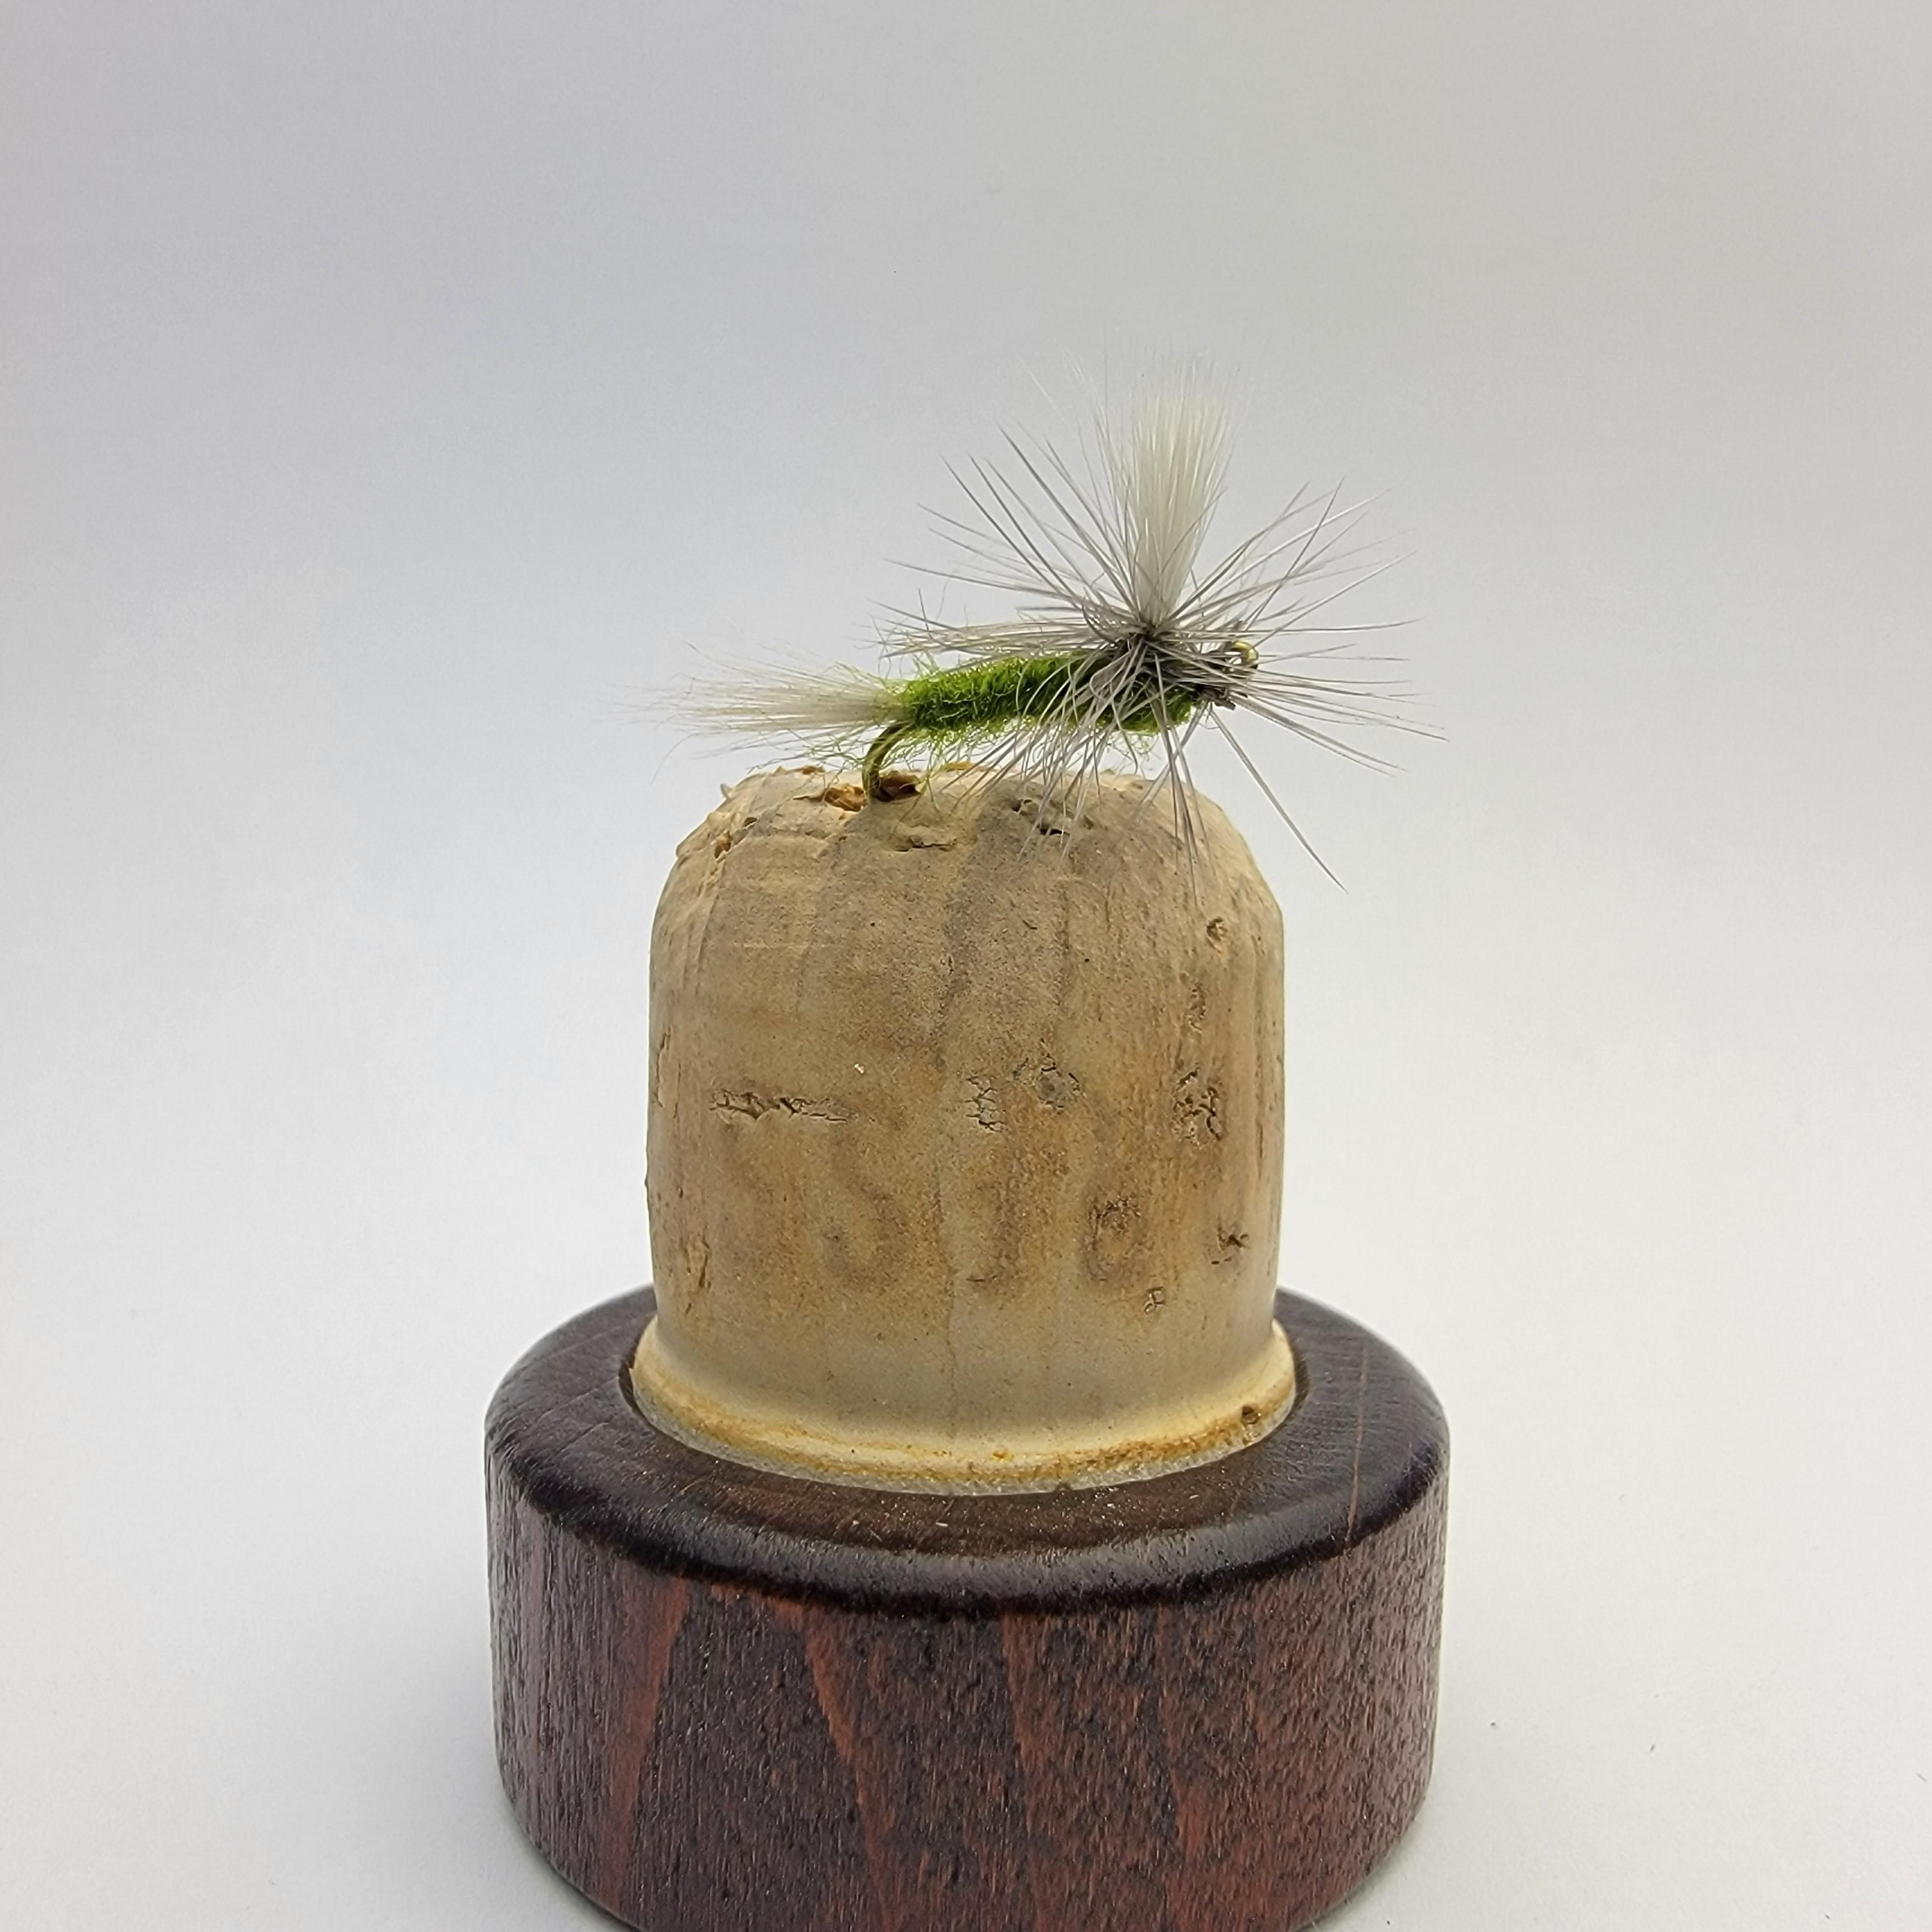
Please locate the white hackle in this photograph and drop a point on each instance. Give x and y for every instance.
(1102, 551)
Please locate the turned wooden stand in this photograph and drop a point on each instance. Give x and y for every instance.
(730, 1701)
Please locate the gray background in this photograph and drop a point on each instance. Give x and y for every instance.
(391, 387)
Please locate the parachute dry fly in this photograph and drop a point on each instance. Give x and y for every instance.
(1121, 639)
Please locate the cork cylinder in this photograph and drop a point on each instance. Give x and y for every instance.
(965, 1138)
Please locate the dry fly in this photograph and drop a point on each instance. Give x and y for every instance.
(1126, 635)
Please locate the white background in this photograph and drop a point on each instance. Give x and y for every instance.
(393, 385)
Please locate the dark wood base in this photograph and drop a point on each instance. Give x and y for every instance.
(728, 1701)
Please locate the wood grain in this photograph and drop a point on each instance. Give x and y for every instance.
(732, 1702)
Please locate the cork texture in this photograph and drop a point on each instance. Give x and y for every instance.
(985, 1122)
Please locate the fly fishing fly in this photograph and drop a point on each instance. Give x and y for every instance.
(1121, 640)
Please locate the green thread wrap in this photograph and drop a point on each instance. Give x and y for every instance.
(975, 701)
